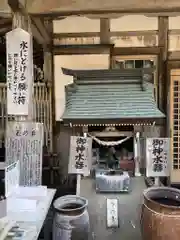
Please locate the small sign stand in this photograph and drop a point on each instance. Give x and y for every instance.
(112, 213)
(157, 158)
(80, 157)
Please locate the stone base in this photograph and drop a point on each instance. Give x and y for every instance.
(138, 174)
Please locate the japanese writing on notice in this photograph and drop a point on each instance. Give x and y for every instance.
(80, 155)
(24, 142)
(157, 157)
(19, 72)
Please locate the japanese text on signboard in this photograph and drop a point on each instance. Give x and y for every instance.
(19, 74)
(157, 157)
(24, 142)
(80, 155)
(80, 152)
(22, 85)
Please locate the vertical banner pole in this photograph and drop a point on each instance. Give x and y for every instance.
(78, 183)
(157, 181)
(137, 155)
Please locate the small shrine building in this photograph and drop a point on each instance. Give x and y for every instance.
(111, 105)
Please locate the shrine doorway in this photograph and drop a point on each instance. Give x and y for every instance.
(122, 144)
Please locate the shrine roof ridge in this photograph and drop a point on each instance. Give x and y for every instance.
(108, 73)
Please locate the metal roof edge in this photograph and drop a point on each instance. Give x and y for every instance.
(106, 73)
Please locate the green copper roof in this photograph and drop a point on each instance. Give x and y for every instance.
(107, 94)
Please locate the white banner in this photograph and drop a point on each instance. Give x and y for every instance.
(12, 173)
(80, 157)
(19, 72)
(24, 142)
(157, 157)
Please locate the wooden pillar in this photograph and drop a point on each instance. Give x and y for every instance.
(163, 26)
(105, 35)
(104, 30)
(47, 66)
(49, 75)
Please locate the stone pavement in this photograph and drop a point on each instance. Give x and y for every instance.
(129, 211)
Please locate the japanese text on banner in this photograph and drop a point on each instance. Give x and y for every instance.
(19, 72)
(80, 155)
(157, 156)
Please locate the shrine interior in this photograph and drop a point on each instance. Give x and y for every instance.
(123, 152)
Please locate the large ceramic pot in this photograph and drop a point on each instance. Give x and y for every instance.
(160, 217)
(71, 220)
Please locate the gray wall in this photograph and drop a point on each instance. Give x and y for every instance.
(62, 144)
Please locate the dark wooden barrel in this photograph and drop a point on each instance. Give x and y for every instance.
(160, 217)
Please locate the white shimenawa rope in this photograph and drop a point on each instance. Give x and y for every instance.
(161, 214)
(109, 143)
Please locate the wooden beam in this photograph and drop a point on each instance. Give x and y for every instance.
(119, 51)
(82, 49)
(104, 31)
(104, 49)
(15, 5)
(163, 25)
(174, 55)
(175, 64)
(38, 29)
(113, 34)
(41, 27)
(76, 35)
(133, 33)
(95, 7)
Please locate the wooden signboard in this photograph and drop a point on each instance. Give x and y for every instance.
(24, 142)
(80, 155)
(19, 72)
(157, 157)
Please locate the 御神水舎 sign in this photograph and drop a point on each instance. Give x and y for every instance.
(157, 157)
(80, 155)
(19, 72)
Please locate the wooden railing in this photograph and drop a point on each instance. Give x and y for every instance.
(42, 110)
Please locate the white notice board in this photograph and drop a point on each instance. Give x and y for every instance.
(19, 72)
(12, 174)
(24, 143)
